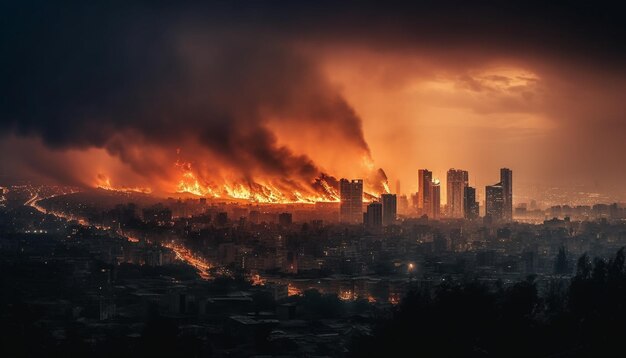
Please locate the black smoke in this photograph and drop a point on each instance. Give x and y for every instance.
(207, 78)
(131, 77)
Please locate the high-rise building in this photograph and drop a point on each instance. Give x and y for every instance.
(435, 199)
(415, 203)
(457, 180)
(424, 184)
(494, 202)
(403, 205)
(351, 201)
(390, 208)
(374, 216)
(398, 192)
(506, 181)
(470, 204)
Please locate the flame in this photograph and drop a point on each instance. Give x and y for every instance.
(330, 190)
(386, 187)
(252, 191)
(192, 181)
(104, 182)
(261, 193)
(189, 183)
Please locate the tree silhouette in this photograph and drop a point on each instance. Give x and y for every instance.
(561, 266)
(471, 319)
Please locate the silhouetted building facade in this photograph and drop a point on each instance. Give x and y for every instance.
(424, 194)
(351, 197)
(457, 180)
(494, 202)
(374, 216)
(506, 181)
(435, 200)
(414, 203)
(403, 205)
(470, 205)
(390, 208)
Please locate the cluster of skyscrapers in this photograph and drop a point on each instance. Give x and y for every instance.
(378, 213)
(461, 199)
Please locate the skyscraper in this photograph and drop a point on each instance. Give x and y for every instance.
(506, 181)
(435, 199)
(456, 182)
(351, 197)
(424, 183)
(374, 216)
(469, 202)
(415, 203)
(403, 205)
(494, 202)
(390, 208)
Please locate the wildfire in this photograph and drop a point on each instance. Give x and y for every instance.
(386, 187)
(190, 184)
(329, 189)
(104, 182)
(262, 194)
(192, 181)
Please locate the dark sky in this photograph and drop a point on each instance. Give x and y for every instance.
(276, 92)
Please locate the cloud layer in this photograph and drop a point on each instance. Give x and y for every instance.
(281, 92)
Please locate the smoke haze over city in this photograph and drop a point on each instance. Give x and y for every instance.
(165, 97)
(322, 178)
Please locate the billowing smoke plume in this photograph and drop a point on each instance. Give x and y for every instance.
(199, 95)
(157, 90)
(379, 182)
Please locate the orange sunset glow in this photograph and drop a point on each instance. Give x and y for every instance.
(321, 178)
(313, 108)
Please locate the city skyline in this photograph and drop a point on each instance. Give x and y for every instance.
(319, 178)
(462, 201)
